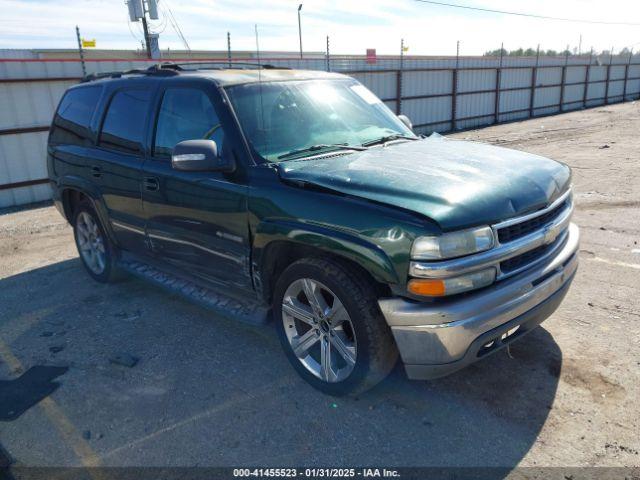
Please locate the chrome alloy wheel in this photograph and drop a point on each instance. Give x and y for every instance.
(319, 330)
(90, 243)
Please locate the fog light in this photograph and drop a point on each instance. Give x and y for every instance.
(439, 287)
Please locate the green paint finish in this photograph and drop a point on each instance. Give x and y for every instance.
(366, 206)
(456, 184)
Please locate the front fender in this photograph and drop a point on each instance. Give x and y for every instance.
(335, 242)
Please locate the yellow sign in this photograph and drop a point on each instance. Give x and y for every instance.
(89, 43)
(405, 49)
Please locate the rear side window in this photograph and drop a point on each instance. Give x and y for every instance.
(186, 114)
(72, 122)
(124, 122)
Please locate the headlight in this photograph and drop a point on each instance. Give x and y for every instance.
(451, 245)
(439, 287)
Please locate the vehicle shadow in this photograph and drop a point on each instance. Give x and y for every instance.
(19, 395)
(210, 392)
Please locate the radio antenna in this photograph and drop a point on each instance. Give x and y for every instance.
(255, 26)
(260, 79)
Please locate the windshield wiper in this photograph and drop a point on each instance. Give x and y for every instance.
(388, 138)
(321, 146)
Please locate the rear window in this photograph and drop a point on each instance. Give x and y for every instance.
(124, 123)
(72, 122)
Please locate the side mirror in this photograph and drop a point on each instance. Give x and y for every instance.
(199, 156)
(404, 119)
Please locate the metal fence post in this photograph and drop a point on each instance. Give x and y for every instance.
(587, 74)
(534, 80)
(328, 58)
(564, 78)
(454, 89)
(496, 118)
(398, 92)
(626, 76)
(606, 88)
(399, 80)
(84, 68)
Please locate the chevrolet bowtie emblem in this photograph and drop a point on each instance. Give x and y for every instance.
(550, 234)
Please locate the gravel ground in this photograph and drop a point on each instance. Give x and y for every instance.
(140, 378)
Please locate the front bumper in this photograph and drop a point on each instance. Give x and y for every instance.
(437, 339)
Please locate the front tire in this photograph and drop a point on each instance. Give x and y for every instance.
(97, 253)
(331, 328)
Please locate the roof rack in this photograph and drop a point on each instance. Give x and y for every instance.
(172, 68)
(226, 64)
(153, 70)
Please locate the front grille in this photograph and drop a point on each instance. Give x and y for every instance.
(526, 258)
(515, 263)
(513, 232)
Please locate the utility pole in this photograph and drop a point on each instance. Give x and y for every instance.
(138, 10)
(229, 48)
(84, 68)
(300, 29)
(145, 28)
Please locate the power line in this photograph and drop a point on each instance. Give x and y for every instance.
(174, 24)
(520, 14)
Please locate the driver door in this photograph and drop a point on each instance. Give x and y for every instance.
(196, 221)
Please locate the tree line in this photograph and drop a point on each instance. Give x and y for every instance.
(531, 52)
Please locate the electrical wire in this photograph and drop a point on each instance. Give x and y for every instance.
(131, 31)
(176, 27)
(531, 15)
(174, 24)
(158, 26)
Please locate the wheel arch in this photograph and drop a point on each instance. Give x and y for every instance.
(74, 190)
(279, 244)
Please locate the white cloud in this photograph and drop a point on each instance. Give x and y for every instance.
(353, 26)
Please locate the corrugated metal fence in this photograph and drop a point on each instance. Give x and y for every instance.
(437, 94)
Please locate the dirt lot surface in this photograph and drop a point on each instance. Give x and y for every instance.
(206, 391)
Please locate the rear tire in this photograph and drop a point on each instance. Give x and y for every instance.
(97, 253)
(315, 331)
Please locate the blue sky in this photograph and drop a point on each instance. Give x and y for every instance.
(352, 26)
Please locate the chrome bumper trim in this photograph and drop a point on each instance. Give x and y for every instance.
(492, 258)
(438, 333)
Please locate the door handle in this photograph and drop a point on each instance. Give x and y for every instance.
(96, 171)
(151, 184)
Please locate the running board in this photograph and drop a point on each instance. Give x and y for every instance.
(248, 312)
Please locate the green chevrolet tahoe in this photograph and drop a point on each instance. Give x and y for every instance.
(298, 197)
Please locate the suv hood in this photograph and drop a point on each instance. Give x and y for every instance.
(457, 184)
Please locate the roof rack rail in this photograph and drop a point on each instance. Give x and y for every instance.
(174, 68)
(226, 63)
(153, 70)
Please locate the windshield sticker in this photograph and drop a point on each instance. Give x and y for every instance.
(365, 94)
